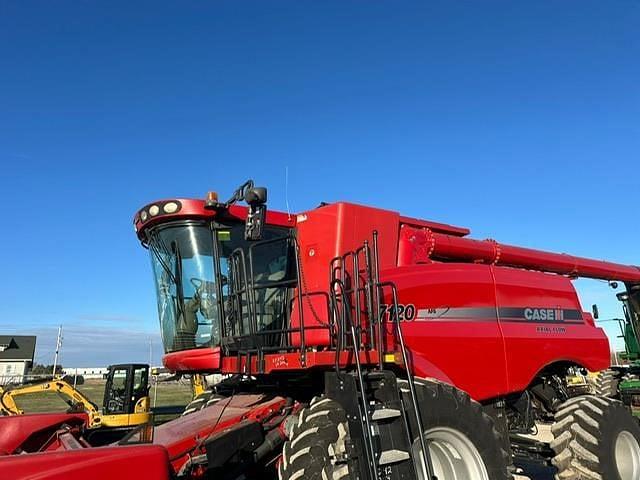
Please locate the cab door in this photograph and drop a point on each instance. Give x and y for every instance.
(117, 393)
(139, 389)
(126, 396)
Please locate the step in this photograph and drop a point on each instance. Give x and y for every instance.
(375, 375)
(384, 414)
(393, 456)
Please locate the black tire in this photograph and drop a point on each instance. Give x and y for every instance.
(587, 431)
(315, 443)
(607, 383)
(204, 400)
(444, 407)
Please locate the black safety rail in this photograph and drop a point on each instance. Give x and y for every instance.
(341, 307)
(241, 332)
(357, 286)
(355, 323)
(356, 300)
(410, 380)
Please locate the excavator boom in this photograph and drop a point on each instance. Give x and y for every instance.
(73, 397)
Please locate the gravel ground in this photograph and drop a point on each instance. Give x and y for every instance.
(535, 471)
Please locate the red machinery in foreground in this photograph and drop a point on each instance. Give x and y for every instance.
(357, 343)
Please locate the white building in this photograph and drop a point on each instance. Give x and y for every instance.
(87, 372)
(16, 357)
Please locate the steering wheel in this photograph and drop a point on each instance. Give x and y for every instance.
(197, 283)
(116, 404)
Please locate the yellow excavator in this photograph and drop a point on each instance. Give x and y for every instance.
(126, 397)
(199, 385)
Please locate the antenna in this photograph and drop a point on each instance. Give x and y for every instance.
(58, 345)
(286, 189)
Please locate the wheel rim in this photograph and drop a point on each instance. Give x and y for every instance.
(453, 456)
(627, 453)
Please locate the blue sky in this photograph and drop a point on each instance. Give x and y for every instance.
(518, 119)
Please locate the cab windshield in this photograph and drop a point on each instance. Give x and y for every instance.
(200, 285)
(182, 260)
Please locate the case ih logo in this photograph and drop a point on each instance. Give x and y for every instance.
(503, 314)
(543, 314)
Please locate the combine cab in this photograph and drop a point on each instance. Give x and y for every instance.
(358, 343)
(623, 381)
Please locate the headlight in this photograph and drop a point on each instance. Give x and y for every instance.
(170, 207)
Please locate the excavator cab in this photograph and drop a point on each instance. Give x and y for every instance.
(126, 401)
(126, 392)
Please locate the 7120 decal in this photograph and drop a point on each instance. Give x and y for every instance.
(406, 312)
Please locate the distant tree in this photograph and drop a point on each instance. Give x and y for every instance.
(39, 369)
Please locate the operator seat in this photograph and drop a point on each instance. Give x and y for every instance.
(270, 307)
(187, 327)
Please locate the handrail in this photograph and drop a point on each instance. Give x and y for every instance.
(376, 300)
(244, 285)
(410, 380)
(303, 350)
(373, 471)
(238, 287)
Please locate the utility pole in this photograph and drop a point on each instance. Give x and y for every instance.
(58, 345)
(154, 377)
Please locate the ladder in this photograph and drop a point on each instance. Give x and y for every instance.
(378, 417)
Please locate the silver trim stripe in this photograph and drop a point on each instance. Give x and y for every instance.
(505, 314)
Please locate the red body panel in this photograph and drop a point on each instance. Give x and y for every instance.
(465, 325)
(332, 230)
(444, 347)
(289, 362)
(205, 360)
(105, 463)
(532, 345)
(185, 435)
(30, 432)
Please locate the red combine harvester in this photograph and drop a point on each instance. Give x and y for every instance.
(355, 343)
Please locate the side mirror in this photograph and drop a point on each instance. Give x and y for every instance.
(256, 198)
(623, 296)
(594, 309)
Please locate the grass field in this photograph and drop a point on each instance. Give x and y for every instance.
(169, 393)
